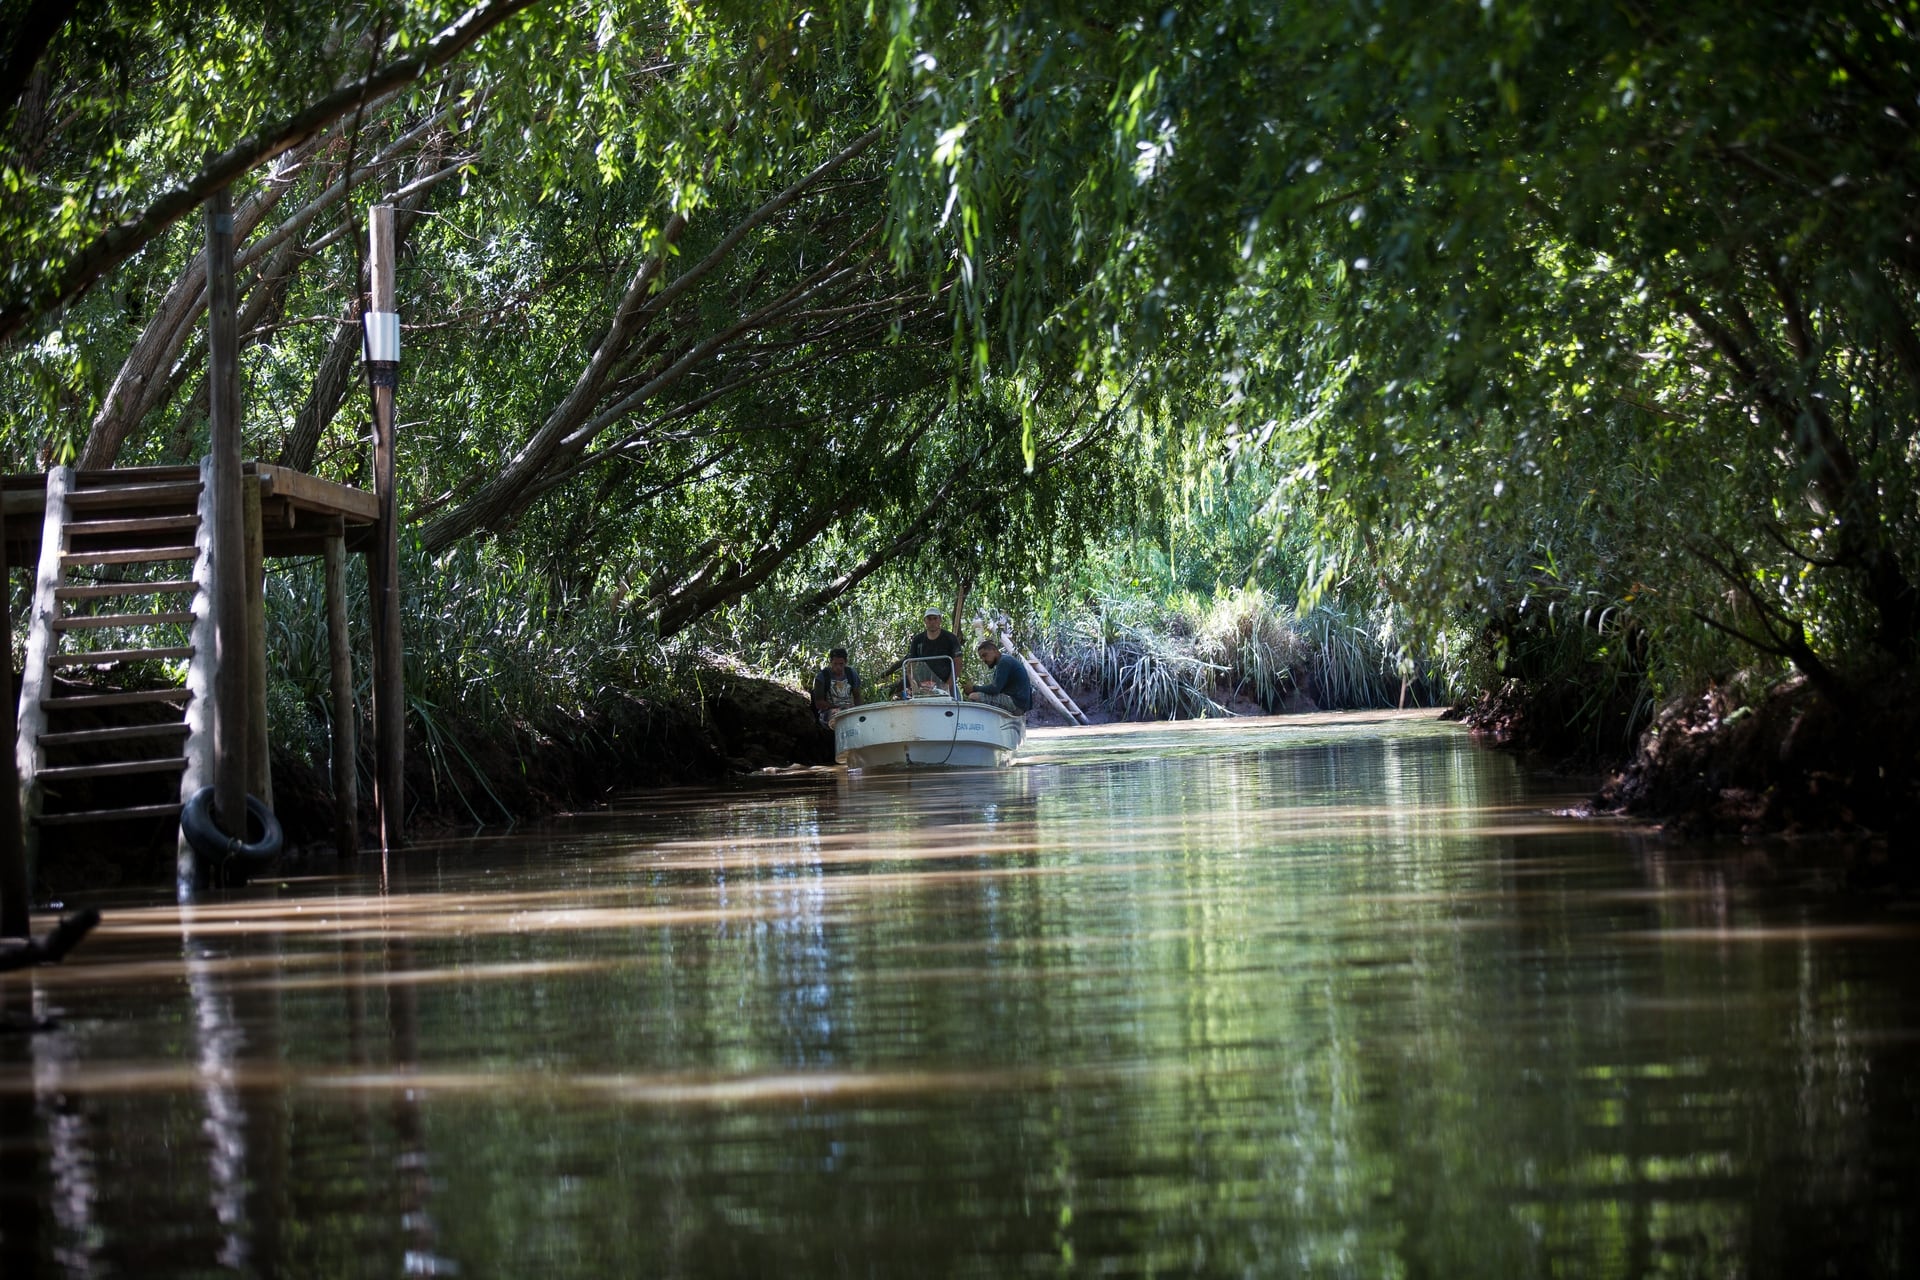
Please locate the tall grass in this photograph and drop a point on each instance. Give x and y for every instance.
(495, 664)
(1255, 644)
(1187, 657)
(1146, 666)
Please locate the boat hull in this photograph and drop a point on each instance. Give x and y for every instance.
(927, 733)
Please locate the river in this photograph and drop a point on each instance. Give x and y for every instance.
(1332, 996)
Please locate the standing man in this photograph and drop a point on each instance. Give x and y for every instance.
(1010, 688)
(836, 686)
(935, 642)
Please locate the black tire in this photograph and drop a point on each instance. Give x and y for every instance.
(227, 858)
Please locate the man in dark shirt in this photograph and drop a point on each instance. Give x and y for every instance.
(835, 687)
(1010, 688)
(935, 642)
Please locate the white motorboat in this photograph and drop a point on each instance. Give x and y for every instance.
(933, 729)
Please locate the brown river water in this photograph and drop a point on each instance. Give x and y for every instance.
(1328, 996)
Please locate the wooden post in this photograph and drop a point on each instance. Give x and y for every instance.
(228, 549)
(14, 884)
(203, 675)
(259, 756)
(389, 691)
(346, 720)
(36, 676)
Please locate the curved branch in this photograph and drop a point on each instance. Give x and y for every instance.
(122, 240)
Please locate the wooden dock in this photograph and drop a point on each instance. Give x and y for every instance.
(122, 578)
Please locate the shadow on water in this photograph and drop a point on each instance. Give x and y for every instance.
(1334, 995)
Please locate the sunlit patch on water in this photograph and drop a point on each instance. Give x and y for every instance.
(1340, 995)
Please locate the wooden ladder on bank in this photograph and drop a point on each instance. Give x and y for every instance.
(1043, 681)
(122, 577)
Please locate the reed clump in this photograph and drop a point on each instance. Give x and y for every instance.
(507, 679)
(1145, 663)
(1187, 657)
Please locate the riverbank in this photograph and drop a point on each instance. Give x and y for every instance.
(1788, 762)
(463, 774)
(1725, 762)
(1709, 766)
(730, 724)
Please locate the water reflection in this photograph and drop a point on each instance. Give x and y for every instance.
(1334, 996)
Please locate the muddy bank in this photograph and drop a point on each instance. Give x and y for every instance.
(733, 724)
(1787, 761)
(459, 778)
(1790, 762)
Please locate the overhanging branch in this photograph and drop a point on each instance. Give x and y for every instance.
(122, 240)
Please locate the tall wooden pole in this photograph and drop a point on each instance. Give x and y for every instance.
(228, 541)
(346, 721)
(14, 886)
(383, 372)
(259, 752)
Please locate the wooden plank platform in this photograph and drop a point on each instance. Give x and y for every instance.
(115, 733)
(311, 493)
(115, 769)
(91, 536)
(85, 701)
(103, 590)
(298, 510)
(139, 812)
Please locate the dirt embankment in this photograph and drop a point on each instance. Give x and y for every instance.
(1791, 761)
(737, 725)
(460, 779)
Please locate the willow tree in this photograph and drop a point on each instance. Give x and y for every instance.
(119, 121)
(1599, 304)
(656, 334)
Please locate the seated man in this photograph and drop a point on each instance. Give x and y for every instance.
(835, 687)
(1010, 688)
(935, 642)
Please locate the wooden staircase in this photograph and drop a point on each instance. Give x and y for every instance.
(118, 594)
(1043, 682)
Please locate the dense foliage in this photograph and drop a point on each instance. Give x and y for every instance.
(1605, 309)
(1588, 330)
(653, 333)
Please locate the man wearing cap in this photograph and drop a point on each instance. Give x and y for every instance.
(1010, 688)
(935, 642)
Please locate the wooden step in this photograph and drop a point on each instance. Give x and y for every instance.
(102, 590)
(166, 494)
(115, 769)
(107, 657)
(118, 733)
(96, 621)
(124, 476)
(141, 524)
(136, 812)
(138, 697)
(128, 555)
(1038, 670)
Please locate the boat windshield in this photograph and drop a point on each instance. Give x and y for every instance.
(931, 677)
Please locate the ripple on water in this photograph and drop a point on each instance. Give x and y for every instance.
(1339, 995)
